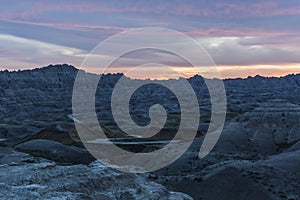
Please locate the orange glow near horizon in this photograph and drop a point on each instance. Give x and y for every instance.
(225, 71)
(186, 72)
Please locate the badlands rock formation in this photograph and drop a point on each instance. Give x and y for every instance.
(257, 156)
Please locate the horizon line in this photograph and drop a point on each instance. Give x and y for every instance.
(147, 78)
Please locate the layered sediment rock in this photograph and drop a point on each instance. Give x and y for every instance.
(270, 128)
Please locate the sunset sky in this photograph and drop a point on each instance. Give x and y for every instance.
(242, 37)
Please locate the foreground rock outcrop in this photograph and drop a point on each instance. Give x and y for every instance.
(26, 177)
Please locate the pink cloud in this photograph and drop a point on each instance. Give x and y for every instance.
(76, 27)
(240, 32)
(283, 41)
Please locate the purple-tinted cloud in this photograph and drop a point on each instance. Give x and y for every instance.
(179, 8)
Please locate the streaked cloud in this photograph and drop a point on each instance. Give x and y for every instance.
(26, 53)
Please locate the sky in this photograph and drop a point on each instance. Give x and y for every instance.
(244, 38)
